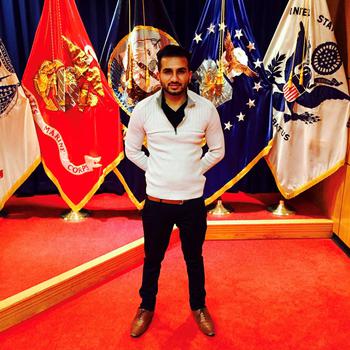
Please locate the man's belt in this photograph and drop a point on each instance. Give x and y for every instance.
(167, 201)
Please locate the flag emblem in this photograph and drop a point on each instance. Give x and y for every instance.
(326, 58)
(310, 99)
(19, 151)
(291, 93)
(132, 68)
(76, 116)
(229, 72)
(8, 92)
(8, 97)
(63, 88)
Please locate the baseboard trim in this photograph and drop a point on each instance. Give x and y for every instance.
(269, 229)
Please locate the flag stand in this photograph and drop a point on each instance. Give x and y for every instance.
(281, 209)
(75, 216)
(219, 209)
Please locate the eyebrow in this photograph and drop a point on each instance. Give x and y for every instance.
(177, 69)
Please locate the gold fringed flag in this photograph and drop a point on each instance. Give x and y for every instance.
(228, 71)
(310, 98)
(138, 30)
(76, 115)
(19, 150)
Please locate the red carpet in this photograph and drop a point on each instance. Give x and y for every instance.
(36, 244)
(40, 245)
(263, 294)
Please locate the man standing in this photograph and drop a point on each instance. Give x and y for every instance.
(174, 121)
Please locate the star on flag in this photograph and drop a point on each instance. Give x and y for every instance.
(251, 103)
(257, 63)
(238, 34)
(251, 46)
(211, 28)
(222, 26)
(228, 125)
(257, 86)
(197, 37)
(240, 117)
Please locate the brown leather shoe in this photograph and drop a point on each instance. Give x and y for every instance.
(141, 321)
(204, 321)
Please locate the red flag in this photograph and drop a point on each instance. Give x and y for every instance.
(76, 116)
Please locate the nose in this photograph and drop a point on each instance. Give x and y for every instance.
(174, 77)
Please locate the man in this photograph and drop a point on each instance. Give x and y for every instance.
(174, 121)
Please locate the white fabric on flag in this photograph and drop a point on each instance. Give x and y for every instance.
(310, 98)
(19, 151)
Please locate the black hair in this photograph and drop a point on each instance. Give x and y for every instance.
(172, 51)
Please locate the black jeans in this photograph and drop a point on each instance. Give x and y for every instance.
(158, 220)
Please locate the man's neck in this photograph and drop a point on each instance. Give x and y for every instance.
(175, 101)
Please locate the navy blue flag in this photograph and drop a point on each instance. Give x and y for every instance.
(228, 70)
(137, 32)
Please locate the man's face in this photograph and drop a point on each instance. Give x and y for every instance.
(174, 75)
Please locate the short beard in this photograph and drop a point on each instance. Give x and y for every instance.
(175, 93)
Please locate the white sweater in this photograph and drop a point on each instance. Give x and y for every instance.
(175, 166)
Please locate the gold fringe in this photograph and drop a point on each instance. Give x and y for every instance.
(81, 204)
(291, 194)
(138, 205)
(19, 182)
(240, 175)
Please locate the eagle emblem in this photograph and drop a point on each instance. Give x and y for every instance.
(235, 60)
(63, 88)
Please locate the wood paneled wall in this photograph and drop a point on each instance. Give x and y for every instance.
(333, 194)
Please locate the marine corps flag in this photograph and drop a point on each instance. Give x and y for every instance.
(310, 98)
(19, 151)
(76, 115)
(139, 29)
(228, 70)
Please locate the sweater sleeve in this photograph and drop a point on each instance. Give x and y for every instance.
(135, 136)
(215, 142)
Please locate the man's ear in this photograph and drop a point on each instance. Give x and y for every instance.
(158, 75)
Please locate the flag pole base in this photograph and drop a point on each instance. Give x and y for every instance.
(75, 216)
(281, 209)
(219, 209)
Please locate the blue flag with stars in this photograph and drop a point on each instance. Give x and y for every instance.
(228, 70)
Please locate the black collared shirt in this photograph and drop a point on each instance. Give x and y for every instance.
(174, 117)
